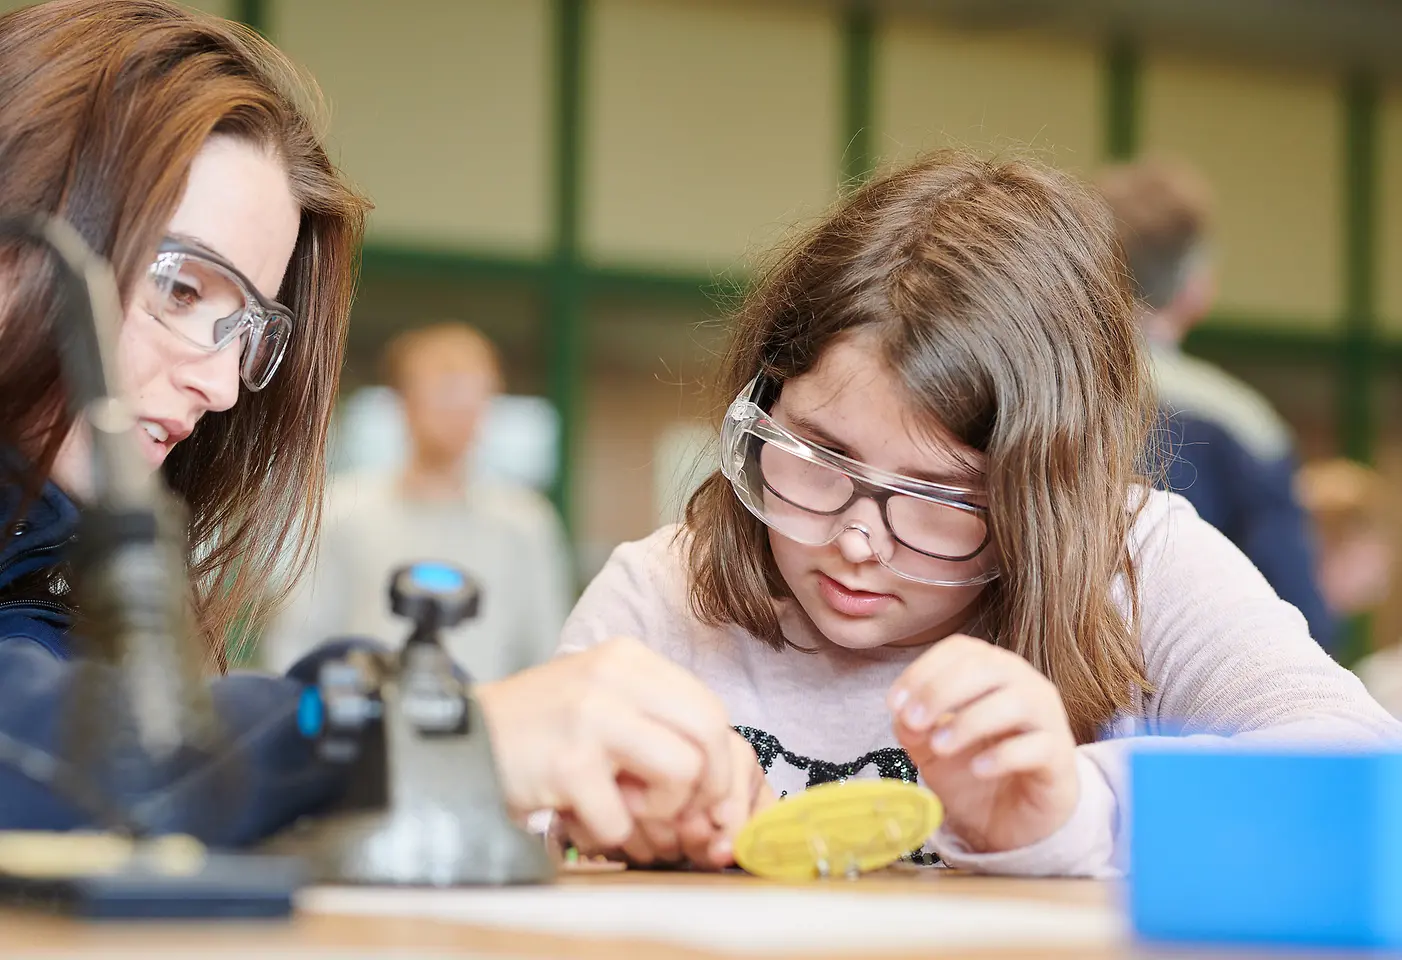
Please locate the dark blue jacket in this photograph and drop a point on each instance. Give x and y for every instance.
(1252, 501)
(278, 776)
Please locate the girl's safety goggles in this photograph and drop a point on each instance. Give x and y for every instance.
(920, 530)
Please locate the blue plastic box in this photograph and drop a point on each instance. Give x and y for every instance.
(1235, 847)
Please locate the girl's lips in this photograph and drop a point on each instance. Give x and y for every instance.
(851, 603)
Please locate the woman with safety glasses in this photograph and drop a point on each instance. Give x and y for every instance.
(930, 552)
(173, 143)
(203, 299)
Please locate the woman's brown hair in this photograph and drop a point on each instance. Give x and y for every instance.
(104, 105)
(994, 294)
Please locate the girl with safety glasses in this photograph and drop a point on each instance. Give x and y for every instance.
(931, 550)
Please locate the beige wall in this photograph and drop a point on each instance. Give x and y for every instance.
(439, 110)
(989, 92)
(711, 125)
(1270, 142)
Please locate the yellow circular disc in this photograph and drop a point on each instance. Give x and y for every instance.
(838, 829)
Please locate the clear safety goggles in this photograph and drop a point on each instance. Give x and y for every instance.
(209, 304)
(923, 531)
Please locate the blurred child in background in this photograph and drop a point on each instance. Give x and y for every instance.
(507, 538)
(1347, 504)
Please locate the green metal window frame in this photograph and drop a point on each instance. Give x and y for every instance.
(253, 13)
(1354, 347)
(856, 154)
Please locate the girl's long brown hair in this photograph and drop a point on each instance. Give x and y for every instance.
(995, 295)
(103, 106)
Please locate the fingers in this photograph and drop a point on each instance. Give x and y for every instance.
(661, 840)
(914, 743)
(669, 695)
(544, 720)
(697, 834)
(653, 841)
(638, 848)
(953, 673)
(664, 765)
(956, 676)
(751, 792)
(658, 767)
(992, 717)
(709, 840)
(926, 667)
(764, 797)
(578, 836)
(618, 736)
(1021, 754)
(738, 804)
(657, 772)
(593, 797)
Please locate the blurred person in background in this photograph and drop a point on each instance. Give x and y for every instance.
(508, 539)
(1230, 454)
(1346, 504)
(1346, 501)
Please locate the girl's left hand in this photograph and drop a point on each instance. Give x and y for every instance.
(991, 739)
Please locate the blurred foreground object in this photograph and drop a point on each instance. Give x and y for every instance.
(138, 695)
(422, 804)
(1266, 847)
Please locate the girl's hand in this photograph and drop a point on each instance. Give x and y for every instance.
(991, 739)
(613, 736)
(695, 837)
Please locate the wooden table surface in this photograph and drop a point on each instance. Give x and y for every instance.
(329, 935)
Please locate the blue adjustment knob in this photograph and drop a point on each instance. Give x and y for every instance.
(311, 713)
(437, 577)
(434, 595)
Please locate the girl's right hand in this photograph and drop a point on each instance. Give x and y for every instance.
(701, 839)
(610, 737)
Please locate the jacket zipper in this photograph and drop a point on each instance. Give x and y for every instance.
(36, 552)
(46, 605)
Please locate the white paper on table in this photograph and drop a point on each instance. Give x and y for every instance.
(747, 918)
